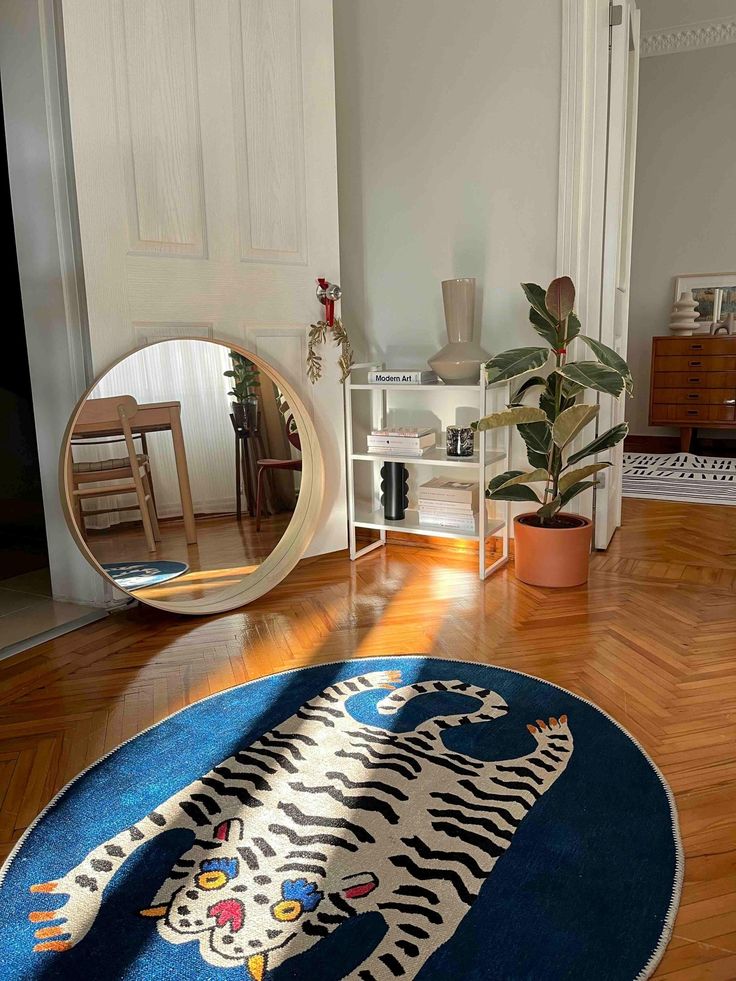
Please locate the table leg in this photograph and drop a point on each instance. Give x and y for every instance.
(238, 504)
(182, 472)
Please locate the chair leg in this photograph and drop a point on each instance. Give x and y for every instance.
(148, 489)
(259, 497)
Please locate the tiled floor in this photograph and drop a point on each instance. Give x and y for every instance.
(27, 610)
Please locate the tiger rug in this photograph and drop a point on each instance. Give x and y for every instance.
(321, 819)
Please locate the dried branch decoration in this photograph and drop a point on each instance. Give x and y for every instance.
(318, 335)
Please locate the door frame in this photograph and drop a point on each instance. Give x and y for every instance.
(581, 214)
(49, 262)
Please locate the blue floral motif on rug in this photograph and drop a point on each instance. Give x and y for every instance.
(137, 575)
(407, 817)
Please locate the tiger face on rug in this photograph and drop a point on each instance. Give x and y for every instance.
(323, 818)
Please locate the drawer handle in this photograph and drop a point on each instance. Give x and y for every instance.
(695, 364)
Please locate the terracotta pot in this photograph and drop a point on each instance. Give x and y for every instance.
(552, 556)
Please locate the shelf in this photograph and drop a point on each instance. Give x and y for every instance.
(435, 457)
(367, 518)
(416, 388)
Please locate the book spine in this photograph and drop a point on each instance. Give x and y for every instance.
(409, 442)
(400, 378)
(449, 496)
(397, 451)
(457, 524)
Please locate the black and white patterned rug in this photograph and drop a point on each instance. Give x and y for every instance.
(680, 477)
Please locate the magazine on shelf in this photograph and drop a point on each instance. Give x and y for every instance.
(456, 524)
(404, 432)
(403, 442)
(442, 489)
(400, 451)
(445, 507)
(397, 377)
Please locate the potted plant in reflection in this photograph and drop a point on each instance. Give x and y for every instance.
(552, 547)
(245, 380)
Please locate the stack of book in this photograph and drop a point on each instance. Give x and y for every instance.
(383, 376)
(451, 504)
(402, 441)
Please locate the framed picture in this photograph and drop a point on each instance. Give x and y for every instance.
(715, 294)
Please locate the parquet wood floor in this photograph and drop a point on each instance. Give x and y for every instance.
(651, 639)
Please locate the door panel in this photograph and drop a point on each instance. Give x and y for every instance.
(204, 157)
(619, 195)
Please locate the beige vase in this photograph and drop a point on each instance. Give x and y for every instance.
(459, 361)
(552, 556)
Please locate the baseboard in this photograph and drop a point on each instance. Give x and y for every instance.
(718, 446)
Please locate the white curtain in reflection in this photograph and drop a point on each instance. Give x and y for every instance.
(191, 373)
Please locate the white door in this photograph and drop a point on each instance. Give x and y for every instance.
(203, 134)
(621, 151)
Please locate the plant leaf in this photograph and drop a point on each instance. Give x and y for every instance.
(509, 364)
(525, 386)
(573, 328)
(516, 492)
(550, 508)
(569, 423)
(509, 417)
(502, 478)
(567, 480)
(535, 294)
(591, 374)
(608, 357)
(603, 442)
(575, 490)
(530, 477)
(560, 298)
(543, 327)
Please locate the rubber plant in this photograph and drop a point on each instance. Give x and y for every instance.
(548, 430)
(244, 375)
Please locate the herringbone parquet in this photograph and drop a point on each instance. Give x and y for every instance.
(652, 640)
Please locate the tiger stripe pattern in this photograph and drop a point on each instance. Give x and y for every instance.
(324, 818)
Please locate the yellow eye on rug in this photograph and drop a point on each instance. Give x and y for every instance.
(287, 910)
(215, 879)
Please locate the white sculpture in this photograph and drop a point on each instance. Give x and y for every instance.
(684, 315)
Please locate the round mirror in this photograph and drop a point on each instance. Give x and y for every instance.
(191, 476)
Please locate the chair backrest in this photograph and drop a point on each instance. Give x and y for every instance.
(292, 433)
(107, 410)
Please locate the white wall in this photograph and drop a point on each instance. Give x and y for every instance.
(685, 188)
(662, 14)
(448, 142)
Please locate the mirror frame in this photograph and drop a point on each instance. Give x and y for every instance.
(298, 534)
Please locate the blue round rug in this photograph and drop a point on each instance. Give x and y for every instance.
(137, 575)
(394, 817)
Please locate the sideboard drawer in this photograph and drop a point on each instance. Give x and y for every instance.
(686, 396)
(671, 346)
(696, 378)
(701, 363)
(691, 415)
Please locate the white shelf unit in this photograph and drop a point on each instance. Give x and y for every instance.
(369, 513)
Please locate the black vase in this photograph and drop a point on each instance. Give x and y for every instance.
(394, 491)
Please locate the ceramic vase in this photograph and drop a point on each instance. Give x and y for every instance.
(459, 361)
(684, 315)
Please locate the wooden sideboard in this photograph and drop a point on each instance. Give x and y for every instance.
(693, 384)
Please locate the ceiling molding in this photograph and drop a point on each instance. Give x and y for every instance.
(689, 37)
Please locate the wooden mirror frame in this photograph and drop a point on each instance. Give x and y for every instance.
(298, 533)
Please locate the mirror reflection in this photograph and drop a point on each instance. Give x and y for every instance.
(183, 470)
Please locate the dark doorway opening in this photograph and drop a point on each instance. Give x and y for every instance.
(23, 546)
